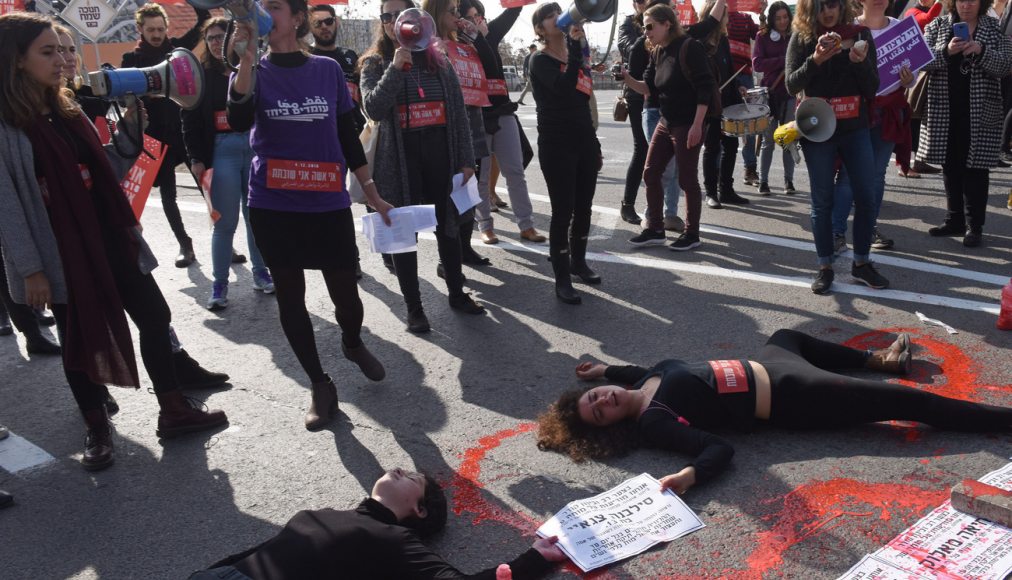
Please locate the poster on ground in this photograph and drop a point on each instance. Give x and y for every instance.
(619, 523)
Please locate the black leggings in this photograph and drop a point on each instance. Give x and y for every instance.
(634, 175)
(806, 395)
(166, 182)
(342, 285)
(143, 301)
(720, 152)
(570, 165)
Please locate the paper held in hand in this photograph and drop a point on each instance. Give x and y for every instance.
(465, 196)
(619, 523)
(399, 236)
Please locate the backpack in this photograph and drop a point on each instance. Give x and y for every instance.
(713, 108)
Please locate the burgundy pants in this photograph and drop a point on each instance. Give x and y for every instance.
(665, 143)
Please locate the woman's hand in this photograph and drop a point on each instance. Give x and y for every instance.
(906, 77)
(576, 31)
(956, 45)
(695, 136)
(136, 114)
(244, 34)
(198, 169)
(679, 482)
(37, 291)
(827, 47)
(468, 174)
(590, 371)
(402, 56)
(972, 47)
(549, 550)
(859, 52)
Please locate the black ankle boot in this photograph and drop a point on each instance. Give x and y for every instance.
(564, 290)
(578, 261)
(98, 448)
(186, 255)
(190, 375)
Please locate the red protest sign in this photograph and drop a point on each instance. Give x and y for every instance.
(138, 181)
(7, 6)
(515, 3)
(745, 6)
(686, 13)
(470, 73)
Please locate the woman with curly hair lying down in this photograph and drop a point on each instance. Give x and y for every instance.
(787, 385)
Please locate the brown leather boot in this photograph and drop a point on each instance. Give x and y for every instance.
(323, 406)
(367, 363)
(98, 449)
(895, 359)
(180, 415)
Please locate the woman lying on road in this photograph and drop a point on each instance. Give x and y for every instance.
(787, 385)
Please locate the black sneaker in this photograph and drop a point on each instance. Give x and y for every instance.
(731, 196)
(686, 241)
(764, 188)
(972, 239)
(869, 276)
(648, 238)
(880, 242)
(789, 188)
(823, 280)
(947, 229)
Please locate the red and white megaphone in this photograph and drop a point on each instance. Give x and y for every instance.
(180, 78)
(414, 30)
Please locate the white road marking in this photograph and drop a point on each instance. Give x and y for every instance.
(18, 454)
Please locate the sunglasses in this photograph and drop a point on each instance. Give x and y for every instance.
(214, 38)
(388, 17)
(650, 26)
(324, 22)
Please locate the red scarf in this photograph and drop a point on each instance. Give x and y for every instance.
(98, 339)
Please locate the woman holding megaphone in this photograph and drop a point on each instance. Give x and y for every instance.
(72, 241)
(302, 122)
(831, 58)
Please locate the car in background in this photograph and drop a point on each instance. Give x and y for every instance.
(513, 81)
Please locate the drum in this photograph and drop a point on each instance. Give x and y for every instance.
(758, 96)
(744, 120)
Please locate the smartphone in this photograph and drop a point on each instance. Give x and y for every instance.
(961, 30)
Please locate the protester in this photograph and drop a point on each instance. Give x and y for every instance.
(71, 241)
(381, 538)
(446, 14)
(963, 128)
(684, 101)
(768, 59)
(720, 151)
(152, 49)
(212, 145)
(324, 24)
(501, 126)
(629, 33)
(418, 153)
(923, 11)
(568, 149)
(788, 384)
(741, 32)
(824, 61)
(527, 73)
(304, 223)
(890, 124)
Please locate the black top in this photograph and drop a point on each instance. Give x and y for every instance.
(562, 108)
(677, 95)
(639, 58)
(690, 397)
(720, 56)
(491, 61)
(628, 33)
(198, 124)
(242, 115)
(366, 542)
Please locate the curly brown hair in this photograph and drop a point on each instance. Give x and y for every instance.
(806, 17)
(561, 429)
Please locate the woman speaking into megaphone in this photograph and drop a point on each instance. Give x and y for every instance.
(831, 58)
(302, 128)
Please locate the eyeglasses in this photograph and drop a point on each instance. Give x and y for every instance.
(214, 38)
(324, 22)
(388, 17)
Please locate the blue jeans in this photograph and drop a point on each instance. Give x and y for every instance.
(233, 158)
(748, 144)
(784, 115)
(671, 191)
(855, 150)
(881, 152)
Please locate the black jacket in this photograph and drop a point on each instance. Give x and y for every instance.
(198, 124)
(628, 33)
(366, 542)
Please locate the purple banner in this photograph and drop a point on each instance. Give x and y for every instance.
(900, 45)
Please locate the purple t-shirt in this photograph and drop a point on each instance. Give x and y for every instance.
(298, 164)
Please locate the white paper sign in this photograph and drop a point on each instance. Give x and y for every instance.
(465, 196)
(620, 522)
(948, 544)
(89, 17)
(400, 236)
(871, 568)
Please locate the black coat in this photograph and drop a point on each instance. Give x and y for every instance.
(198, 124)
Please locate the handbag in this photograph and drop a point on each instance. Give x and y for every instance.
(369, 137)
(621, 111)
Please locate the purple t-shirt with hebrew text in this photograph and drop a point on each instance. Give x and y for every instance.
(298, 164)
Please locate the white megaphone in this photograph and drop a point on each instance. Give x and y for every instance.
(814, 120)
(240, 11)
(414, 30)
(586, 10)
(180, 78)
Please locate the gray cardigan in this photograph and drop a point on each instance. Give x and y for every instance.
(380, 85)
(29, 245)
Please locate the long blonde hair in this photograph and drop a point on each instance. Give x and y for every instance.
(22, 99)
(436, 8)
(806, 17)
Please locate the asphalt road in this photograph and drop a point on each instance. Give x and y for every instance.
(459, 402)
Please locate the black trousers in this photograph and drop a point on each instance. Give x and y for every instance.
(144, 303)
(965, 189)
(634, 176)
(570, 167)
(720, 152)
(166, 182)
(806, 395)
(430, 181)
